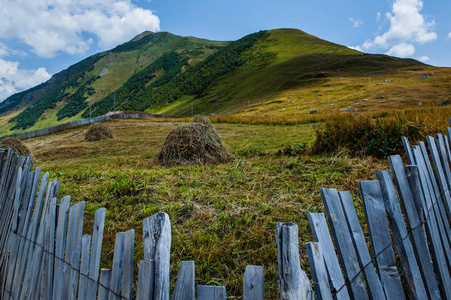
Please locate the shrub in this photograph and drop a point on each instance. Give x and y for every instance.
(373, 136)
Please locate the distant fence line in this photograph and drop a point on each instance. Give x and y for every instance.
(82, 122)
(44, 254)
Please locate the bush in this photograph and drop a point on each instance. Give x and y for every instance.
(365, 135)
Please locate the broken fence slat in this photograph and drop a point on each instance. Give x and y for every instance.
(157, 246)
(145, 279)
(84, 264)
(206, 292)
(433, 236)
(321, 234)
(105, 278)
(127, 273)
(253, 283)
(372, 279)
(185, 286)
(96, 248)
(116, 271)
(77, 248)
(59, 247)
(319, 271)
(434, 206)
(293, 282)
(343, 241)
(402, 242)
(402, 176)
(380, 237)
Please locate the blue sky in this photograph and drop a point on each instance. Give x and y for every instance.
(42, 37)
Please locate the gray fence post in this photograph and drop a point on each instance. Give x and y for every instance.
(293, 283)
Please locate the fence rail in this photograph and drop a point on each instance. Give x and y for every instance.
(82, 122)
(45, 254)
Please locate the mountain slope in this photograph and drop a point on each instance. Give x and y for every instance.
(68, 93)
(276, 72)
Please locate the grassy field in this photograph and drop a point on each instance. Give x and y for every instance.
(223, 216)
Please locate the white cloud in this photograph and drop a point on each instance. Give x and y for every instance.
(402, 50)
(449, 35)
(378, 16)
(358, 48)
(407, 26)
(424, 58)
(355, 23)
(52, 26)
(6, 51)
(13, 79)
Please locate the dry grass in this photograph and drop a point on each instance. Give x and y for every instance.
(203, 120)
(223, 216)
(192, 144)
(16, 145)
(98, 132)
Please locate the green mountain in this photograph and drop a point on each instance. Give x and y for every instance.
(165, 73)
(147, 57)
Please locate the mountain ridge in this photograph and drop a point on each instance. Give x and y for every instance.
(165, 73)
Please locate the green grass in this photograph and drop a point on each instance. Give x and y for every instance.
(297, 72)
(223, 216)
(287, 73)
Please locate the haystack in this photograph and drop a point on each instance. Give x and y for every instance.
(16, 145)
(203, 120)
(192, 144)
(98, 132)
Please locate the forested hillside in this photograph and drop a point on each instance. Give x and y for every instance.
(281, 72)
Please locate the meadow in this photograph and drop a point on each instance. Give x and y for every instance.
(223, 216)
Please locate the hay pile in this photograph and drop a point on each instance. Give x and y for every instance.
(203, 120)
(192, 144)
(99, 132)
(16, 145)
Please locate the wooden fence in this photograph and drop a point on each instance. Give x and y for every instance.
(44, 253)
(82, 122)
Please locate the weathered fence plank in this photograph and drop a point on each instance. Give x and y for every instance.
(185, 286)
(127, 274)
(96, 248)
(118, 263)
(2, 155)
(408, 150)
(49, 251)
(14, 239)
(442, 183)
(145, 279)
(321, 234)
(105, 278)
(206, 292)
(84, 269)
(157, 246)
(434, 205)
(432, 235)
(343, 241)
(380, 237)
(439, 209)
(374, 285)
(68, 252)
(319, 271)
(400, 234)
(59, 247)
(33, 271)
(442, 149)
(25, 252)
(7, 196)
(73, 258)
(253, 283)
(293, 282)
(406, 193)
